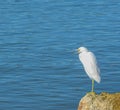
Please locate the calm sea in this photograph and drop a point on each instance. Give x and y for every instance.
(39, 69)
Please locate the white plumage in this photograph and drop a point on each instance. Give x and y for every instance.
(89, 62)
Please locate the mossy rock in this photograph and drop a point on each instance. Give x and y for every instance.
(103, 101)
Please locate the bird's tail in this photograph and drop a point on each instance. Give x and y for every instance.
(97, 79)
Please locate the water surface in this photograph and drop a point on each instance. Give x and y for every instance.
(39, 69)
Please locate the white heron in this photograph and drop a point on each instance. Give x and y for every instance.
(89, 62)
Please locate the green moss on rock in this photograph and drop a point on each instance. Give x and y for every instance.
(103, 101)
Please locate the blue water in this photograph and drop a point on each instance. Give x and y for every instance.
(39, 69)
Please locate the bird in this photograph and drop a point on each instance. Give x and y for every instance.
(90, 65)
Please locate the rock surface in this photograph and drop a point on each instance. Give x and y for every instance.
(103, 101)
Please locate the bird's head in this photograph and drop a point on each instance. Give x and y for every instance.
(82, 49)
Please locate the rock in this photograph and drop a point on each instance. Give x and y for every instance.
(103, 101)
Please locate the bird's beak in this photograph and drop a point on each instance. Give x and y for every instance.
(78, 50)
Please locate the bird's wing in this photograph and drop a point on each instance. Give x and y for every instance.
(89, 62)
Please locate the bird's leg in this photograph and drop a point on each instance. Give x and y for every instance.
(92, 85)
